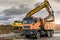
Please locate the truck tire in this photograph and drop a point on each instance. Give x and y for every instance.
(49, 33)
(38, 35)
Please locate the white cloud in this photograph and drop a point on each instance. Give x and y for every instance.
(3, 8)
(6, 4)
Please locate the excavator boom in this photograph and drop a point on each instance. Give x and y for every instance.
(46, 5)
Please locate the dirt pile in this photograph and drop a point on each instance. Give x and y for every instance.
(5, 29)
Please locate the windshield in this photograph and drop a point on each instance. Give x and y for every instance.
(27, 21)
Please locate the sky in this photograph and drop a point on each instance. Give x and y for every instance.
(11, 10)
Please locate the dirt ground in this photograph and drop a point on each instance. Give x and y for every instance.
(7, 33)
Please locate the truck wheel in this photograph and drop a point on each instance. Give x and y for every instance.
(38, 35)
(48, 33)
(51, 33)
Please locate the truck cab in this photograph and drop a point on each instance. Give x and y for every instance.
(31, 25)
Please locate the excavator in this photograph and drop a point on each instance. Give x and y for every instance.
(37, 26)
(17, 26)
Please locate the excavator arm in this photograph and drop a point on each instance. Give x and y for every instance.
(46, 5)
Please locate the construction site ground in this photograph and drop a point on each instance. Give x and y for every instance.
(7, 33)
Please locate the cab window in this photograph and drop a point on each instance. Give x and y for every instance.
(35, 20)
